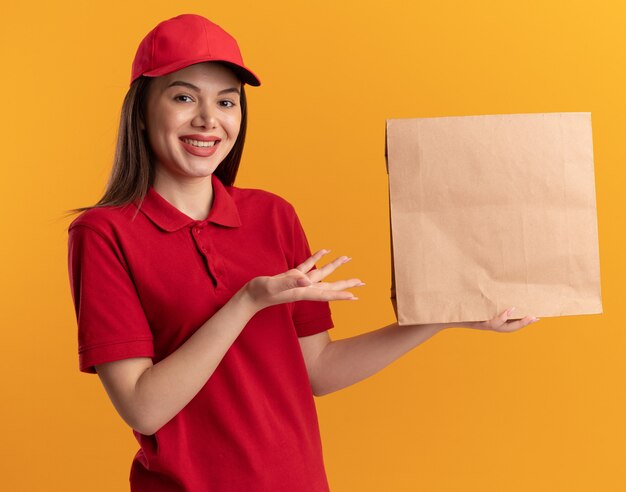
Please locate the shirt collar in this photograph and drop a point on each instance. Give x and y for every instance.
(169, 218)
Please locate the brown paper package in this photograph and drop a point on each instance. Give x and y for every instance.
(489, 212)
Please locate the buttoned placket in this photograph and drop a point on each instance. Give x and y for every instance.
(201, 233)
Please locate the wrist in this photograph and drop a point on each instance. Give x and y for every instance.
(443, 326)
(245, 301)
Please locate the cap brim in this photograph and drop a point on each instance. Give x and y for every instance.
(242, 72)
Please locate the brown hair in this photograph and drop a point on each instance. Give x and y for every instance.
(133, 165)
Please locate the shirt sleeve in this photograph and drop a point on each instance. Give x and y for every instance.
(309, 317)
(112, 324)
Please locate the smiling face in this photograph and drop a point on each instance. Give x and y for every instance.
(192, 119)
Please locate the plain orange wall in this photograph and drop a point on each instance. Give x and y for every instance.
(541, 409)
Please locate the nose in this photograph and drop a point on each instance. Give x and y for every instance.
(205, 116)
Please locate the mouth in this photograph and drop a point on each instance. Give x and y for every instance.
(200, 148)
(200, 143)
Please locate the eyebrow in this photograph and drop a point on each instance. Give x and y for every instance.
(197, 89)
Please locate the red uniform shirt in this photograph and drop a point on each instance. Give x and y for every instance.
(144, 281)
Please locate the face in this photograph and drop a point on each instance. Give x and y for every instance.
(192, 119)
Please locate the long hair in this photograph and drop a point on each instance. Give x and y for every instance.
(133, 162)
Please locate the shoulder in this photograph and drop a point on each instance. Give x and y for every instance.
(254, 199)
(104, 220)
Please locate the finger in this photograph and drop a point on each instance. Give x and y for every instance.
(320, 273)
(512, 326)
(313, 294)
(340, 284)
(500, 320)
(284, 282)
(309, 263)
(506, 314)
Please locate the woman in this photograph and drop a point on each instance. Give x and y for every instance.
(198, 303)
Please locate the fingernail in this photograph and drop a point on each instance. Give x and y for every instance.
(361, 284)
(510, 311)
(353, 299)
(535, 320)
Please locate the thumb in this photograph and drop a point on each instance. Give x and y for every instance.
(303, 282)
(506, 315)
(292, 281)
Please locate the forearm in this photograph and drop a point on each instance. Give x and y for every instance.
(165, 388)
(345, 362)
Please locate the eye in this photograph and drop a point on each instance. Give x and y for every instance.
(182, 95)
(227, 104)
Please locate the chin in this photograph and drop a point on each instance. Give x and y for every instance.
(201, 173)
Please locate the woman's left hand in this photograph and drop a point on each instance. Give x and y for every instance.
(501, 323)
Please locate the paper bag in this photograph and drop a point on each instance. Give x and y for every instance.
(489, 212)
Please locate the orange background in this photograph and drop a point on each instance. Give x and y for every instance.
(541, 409)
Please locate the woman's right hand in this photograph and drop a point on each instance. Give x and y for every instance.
(301, 284)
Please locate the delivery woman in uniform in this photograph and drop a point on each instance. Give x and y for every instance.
(198, 303)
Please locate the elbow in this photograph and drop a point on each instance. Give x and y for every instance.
(315, 389)
(144, 419)
(319, 390)
(145, 427)
(146, 431)
(134, 417)
(147, 424)
(316, 380)
(141, 425)
(322, 385)
(143, 422)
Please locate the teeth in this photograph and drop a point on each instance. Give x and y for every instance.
(198, 143)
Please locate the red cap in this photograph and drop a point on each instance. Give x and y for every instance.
(184, 40)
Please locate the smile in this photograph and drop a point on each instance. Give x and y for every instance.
(198, 143)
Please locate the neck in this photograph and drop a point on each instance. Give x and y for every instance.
(193, 197)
